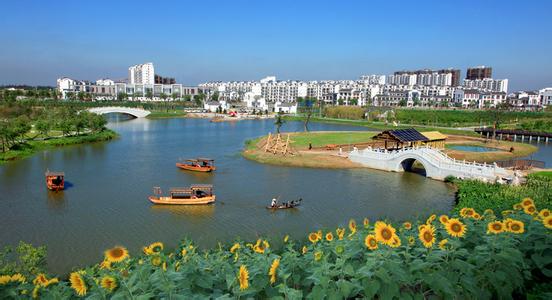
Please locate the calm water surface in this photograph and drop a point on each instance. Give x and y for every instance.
(472, 148)
(106, 203)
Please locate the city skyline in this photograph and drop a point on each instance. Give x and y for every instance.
(240, 41)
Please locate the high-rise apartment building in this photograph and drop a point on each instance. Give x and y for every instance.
(480, 72)
(443, 77)
(141, 74)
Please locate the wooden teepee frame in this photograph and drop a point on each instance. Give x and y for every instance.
(277, 145)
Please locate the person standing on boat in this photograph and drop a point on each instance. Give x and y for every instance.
(274, 202)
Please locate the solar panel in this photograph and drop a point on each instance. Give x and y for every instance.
(408, 135)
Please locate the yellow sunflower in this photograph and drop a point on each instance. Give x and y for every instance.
(233, 249)
(488, 211)
(455, 227)
(272, 271)
(51, 281)
(547, 222)
(527, 202)
(427, 235)
(495, 227)
(105, 265)
(466, 212)
(243, 277)
(431, 219)
(443, 219)
(313, 237)
(411, 240)
(352, 225)
(530, 209)
(544, 213)
(286, 238)
(407, 225)
(5, 279)
(109, 283)
(153, 248)
(395, 242)
(515, 226)
(259, 249)
(384, 232)
(517, 206)
(366, 222)
(370, 242)
(317, 255)
(40, 279)
(116, 254)
(77, 283)
(442, 244)
(156, 260)
(304, 250)
(340, 233)
(18, 277)
(476, 216)
(329, 237)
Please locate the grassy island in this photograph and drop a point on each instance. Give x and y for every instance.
(166, 114)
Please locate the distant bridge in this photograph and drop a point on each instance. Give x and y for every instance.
(136, 112)
(437, 164)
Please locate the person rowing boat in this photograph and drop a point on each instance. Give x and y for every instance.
(274, 203)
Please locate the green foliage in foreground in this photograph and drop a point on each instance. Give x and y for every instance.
(546, 174)
(479, 265)
(538, 126)
(481, 196)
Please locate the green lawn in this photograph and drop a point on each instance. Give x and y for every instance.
(302, 140)
(166, 114)
(546, 174)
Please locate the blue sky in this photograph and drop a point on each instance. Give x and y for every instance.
(197, 41)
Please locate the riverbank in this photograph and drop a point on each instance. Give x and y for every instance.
(321, 156)
(167, 114)
(32, 147)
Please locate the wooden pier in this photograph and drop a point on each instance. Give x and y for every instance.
(515, 135)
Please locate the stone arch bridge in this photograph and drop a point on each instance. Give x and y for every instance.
(437, 164)
(136, 112)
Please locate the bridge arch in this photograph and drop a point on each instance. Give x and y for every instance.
(405, 163)
(136, 112)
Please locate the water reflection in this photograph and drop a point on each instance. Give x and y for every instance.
(191, 211)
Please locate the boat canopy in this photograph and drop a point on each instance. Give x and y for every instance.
(54, 174)
(200, 160)
(201, 187)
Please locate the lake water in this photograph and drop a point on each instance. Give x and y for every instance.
(105, 203)
(470, 148)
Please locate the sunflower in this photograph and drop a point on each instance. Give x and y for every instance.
(427, 235)
(304, 250)
(352, 225)
(153, 248)
(547, 222)
(395, 242)
(366, 222)
(51, 281)
(384, 232)
(313, 237)
(431, 219)
(317, 255)
(116, 254)
(40, 279)
(259, 249)
(455, 227)
(156, 260)
(77, 283)
(442, 244)
(340, 233)
(105, 265)
(443, 219)
(411, 240)
(183, 252)
(544, 213)
(286, 238)
(495, 227)
(488, 211)
(329, 237)
(235, 247)
(476, 216)
(370, 242)
(530, 209)
(466, 212)
(243, 277)
(527, 202)
(109, 283)
(18, 277)
(266, 245)
(272, 271)
(5, 279)
(407, 225)
(517, 206)
(515, 226)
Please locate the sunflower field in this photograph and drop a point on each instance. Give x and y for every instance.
(472, 254)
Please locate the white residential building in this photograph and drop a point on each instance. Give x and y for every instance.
(105, 82)
(546, 96)
(487, 84)
(141, 74)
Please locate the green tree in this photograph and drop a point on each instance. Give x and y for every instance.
(163, 96)
(43, 126)
(279, 122)
(175, 96)
(215, 96)
(81, 96)
(96, 123)
(353, 101)
(402, 102)
(149, 94)
(122, 96)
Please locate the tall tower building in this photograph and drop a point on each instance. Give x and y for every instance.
(480, 72)
(141, 74)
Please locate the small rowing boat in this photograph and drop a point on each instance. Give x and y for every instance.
(55, 181)
(198, 165)
(287, 205)
(195, 195)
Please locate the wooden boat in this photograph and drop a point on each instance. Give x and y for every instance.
(55, 181)
(194, 195)
(198, 165)
(287, 205)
